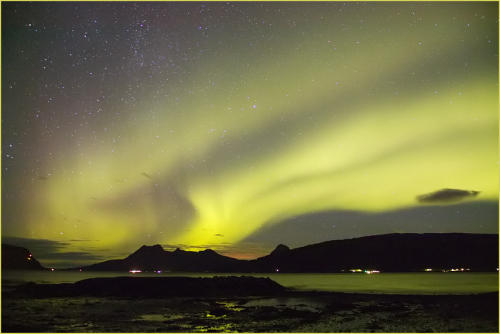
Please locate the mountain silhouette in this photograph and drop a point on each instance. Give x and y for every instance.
(155, 258)
(388, 253)
(19, 258)
(280, 249)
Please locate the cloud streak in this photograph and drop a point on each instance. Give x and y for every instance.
(447, 196)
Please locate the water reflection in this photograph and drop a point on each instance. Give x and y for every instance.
(306, 304)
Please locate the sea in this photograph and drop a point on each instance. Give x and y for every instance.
(387, 283)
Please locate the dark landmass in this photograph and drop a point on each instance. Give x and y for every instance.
(155, 258)
(388, 253)
(154, 287)
(280, 249)
(234, 304)
(19, 258)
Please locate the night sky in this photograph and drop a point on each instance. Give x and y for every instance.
(239, 126)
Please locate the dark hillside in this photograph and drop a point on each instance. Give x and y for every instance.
(390, 252)
(18, 258)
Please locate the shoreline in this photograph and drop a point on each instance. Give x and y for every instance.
(279, 310)
(392, 283)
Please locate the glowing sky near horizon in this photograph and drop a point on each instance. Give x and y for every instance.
(199, 124)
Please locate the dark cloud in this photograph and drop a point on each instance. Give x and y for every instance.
(72, 259)
(36, 246)
(77, 256)
(446, 196)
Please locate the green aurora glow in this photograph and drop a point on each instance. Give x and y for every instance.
(200, 124)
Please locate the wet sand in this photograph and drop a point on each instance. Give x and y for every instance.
(293, 311)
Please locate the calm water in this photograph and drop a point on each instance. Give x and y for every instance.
(411, 283)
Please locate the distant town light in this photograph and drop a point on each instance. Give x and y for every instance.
(135, 271)
(428, 269)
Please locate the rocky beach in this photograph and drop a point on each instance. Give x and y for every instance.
(234, 304)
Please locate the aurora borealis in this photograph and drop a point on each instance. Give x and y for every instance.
(238, 126)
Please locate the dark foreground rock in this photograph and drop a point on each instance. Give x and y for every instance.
(155, 287)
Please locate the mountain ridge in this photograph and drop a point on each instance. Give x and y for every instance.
(394, 252)
(280, 249)
(19, 258)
